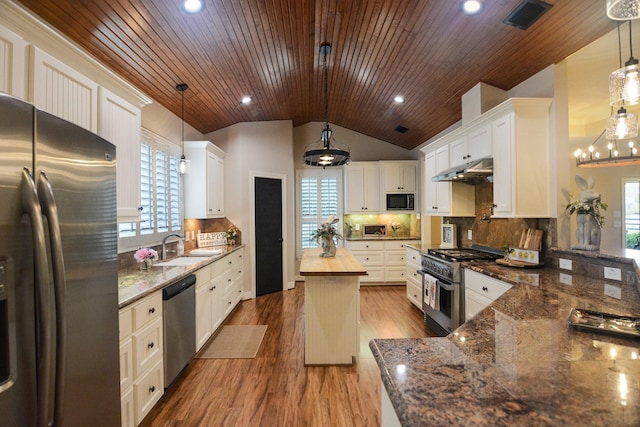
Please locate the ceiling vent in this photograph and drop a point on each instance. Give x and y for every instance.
(528, 12)
(401, 129)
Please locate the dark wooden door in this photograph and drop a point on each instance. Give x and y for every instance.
(268, 229)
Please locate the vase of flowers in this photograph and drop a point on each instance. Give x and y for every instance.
(145, 257)
(395, 226)
(232, 235)
(589, 217)
(326, 233)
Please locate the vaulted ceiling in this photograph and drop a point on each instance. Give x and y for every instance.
(424, 50)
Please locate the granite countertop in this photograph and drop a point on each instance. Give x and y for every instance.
(134, 284)
(518, 362)
(381, 237)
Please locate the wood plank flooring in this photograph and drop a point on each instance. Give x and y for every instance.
(275, 388)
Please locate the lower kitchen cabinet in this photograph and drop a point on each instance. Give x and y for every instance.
(218, 291)
(414, 280)
(384, 260)
(480, 291)
(141, 358)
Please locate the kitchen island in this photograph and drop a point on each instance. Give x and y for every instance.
(518, 362)
(332, 307)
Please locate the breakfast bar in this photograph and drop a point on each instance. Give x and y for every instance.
(332, 307)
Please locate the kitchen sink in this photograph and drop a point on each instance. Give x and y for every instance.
(183, 261)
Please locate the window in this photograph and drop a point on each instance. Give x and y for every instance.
(159, 191)
(319, 196)
(631, 206)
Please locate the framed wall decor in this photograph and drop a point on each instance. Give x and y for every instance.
(449, 238)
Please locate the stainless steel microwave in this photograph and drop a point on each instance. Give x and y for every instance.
(400, 201)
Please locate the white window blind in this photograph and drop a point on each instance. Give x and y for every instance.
(146, 184)
(319, 196)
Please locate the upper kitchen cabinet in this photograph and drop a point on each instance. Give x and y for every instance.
(120, 123)
(399, 176)
(521, 171)
(204, 181)
(58, 89)
(362, 187)
(13, 64)
(445, 198)
(474, 145)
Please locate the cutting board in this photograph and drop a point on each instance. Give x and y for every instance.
(531, 239)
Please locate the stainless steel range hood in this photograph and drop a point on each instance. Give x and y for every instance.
(478, 172)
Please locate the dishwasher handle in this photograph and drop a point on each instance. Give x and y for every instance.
(182, 285)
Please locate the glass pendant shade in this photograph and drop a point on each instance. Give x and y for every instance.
(622, 125)
(623, 10)
(624, 85)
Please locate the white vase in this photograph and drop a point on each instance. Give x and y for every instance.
(588, 233)
(328, 247)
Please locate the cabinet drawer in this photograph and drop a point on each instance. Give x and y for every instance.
(484, 285)
(413, 256)
(412, 273)
(367, 258)
(395, 245)
(232, 296)
(127, 408)
(414, 294)
(374, 274)
(365, 245)
(147, 346)
(395, 274)
(394, 258)
(125, 322)
(474, 303)
(147, 310)
(126, 363)
(147, 390)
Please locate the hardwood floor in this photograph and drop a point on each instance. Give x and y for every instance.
(275, 388)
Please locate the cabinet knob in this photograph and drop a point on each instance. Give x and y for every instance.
(150, 345)
(141, 208)
(212, 288)
(367, 258)
(484, 288)
(152, 389)
(152, 310)
(230, 303)
(402, 258)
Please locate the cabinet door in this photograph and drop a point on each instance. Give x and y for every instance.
(408, 179)
(203, 314)
(363, 189)
(474, 303)
(479, 143)
(392, 178)
(13, 64)
(60, 90)
(443, 189)
(459, 152)
(431, 188)
(372, 189)
(502, 165)
(215, 186)
(120, 124)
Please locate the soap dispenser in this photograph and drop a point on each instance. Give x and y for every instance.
(180, 247)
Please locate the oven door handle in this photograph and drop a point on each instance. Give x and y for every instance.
(445, 286)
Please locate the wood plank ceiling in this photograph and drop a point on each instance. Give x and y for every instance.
(424, 50)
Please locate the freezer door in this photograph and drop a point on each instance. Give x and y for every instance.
(17, 300)
(81, 170)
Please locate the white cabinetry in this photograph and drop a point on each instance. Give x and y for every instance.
(395, 263)
(445, 198)
(480, 291)
(362, 187)
(218, 291)
(13, 64)
(414, 280)
(204, 183)
(141, 369)
(58, 89)
(384, 260)
(472, 146)
(120, 124)
(399, 176)
(521, 170)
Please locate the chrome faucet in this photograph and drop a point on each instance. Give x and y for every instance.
(164, 243)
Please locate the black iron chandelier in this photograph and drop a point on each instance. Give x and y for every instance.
(327, 151)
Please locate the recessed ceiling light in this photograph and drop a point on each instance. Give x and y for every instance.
(193, 6)
(246, 99)
(398, 99)
(471, 7)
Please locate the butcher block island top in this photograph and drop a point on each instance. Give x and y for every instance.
(343, 264)
(331, 307)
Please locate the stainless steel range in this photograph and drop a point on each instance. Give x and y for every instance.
(442, 293)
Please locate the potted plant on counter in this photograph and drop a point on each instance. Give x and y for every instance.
(232, 235)
(326, 233)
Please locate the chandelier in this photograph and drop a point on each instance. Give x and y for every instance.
(327, 151)
(591, 157)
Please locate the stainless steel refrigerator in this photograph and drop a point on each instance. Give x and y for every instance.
(59, 357)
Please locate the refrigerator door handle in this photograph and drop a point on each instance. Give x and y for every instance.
(50, 211)
(45, 372)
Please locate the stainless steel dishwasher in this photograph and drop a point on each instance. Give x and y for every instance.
(179, 311)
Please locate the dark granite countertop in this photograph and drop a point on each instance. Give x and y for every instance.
(357, 238)
(135, 284)
(518, 362)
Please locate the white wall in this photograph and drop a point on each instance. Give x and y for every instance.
(262, 148)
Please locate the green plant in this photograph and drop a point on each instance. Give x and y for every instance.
(591, 207)
(328, 232)
(506, 250)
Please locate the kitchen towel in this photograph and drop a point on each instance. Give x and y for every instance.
(431, 291)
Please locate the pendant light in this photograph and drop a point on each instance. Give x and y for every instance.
(321, 153)
(624, 83)
(184, 163)
(591, 157)
(623, 10)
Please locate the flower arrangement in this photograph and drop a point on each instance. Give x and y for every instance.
(325, 233)
(506, 250)
(232, 233)
(395, 226)
(591, 207)
(145, 255)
